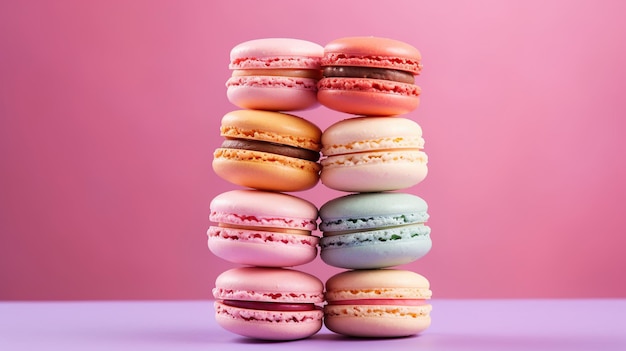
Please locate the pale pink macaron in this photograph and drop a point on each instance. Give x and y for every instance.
(371, 154)
(278, 74)
(263, 228)
(269, 303)
(377, 303)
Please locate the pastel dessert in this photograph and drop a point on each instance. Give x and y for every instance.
(268, 151)
(262, 228)
(269, 303)
(370, 154)
(277, 74)
(377, 303)
(374, 230)
(370, 76)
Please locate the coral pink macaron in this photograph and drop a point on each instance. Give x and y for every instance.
(377, 303)
(371, 154)
(278, 74)
(370, 76)
(262, 228)
(269, 303)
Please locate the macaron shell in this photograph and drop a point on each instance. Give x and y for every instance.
(372, 52)
(374, 171)
(265, 171)
(377, 283)
(377, 321)
(268, 325)
(274, 53)
(273, 127)
(263, 284)
(272, 93)
(364, 96)
(361, 134)
(258, 248)
(372, 210)
(246, 207)
(376, 249)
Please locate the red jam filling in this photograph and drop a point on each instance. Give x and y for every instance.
(270, 306)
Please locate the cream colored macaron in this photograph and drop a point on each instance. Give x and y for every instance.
(371, 154)
(377, 303)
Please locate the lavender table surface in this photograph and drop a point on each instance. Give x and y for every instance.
(594, 324)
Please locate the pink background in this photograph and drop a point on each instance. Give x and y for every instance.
(109, 113)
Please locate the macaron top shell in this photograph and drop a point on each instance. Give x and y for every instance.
(245, 207)
(371, 133)
(273, 53)
(260, 284)
(377, 284)
(373, 52)
(372, 210)
(270, 126)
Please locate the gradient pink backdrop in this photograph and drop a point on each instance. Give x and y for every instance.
(109, 113)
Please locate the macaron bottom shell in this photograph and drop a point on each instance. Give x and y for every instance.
(374, 171)
(265, 171)
(264, 249)
(348, 98)
(377, 321)
(276, 94)
(376, 249)
(268, 325)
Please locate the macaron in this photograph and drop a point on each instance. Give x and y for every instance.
(370, 76)
(268, 150)
(374, 230)
(278, 74)
(269, 303)
(370, 154)
(262, 228)
(377, 303)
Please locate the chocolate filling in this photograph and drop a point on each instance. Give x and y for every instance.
(369, 72)
(263, 146)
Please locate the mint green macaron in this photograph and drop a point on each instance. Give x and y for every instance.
(374, 230)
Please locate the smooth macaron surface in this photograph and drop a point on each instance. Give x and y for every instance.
(269, 303)
(268, 150)
(377, 303)
(263, 228)
(371, 154)
(277, 74)
(370, 76)
(374, 230)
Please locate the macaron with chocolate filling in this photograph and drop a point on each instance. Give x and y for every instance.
(370, 76)
(268, 150)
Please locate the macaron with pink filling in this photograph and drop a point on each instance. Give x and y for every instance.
(277, 74)
(378, 303)
(263, 228)
(269, 303)
(371, 154)
(370, 76)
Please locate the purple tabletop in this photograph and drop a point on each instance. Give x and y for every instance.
(457, 325)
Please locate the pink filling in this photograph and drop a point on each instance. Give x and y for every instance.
(270, 306)
(399, 302)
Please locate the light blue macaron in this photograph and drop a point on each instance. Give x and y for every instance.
(374, 230)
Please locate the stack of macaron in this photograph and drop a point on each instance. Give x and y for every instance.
(373, 155)
(268, 152)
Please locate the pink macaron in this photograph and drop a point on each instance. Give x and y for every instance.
(262, 228)
(371, 154)
(370, 76)
(269, 303)
(277, 74)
